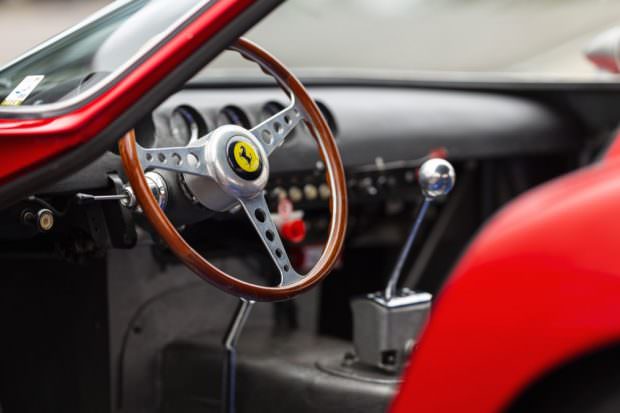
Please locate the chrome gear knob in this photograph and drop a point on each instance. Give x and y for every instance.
(436, 178)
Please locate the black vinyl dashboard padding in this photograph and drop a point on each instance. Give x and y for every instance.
(397, 123)
(404, 124)
(393, 124)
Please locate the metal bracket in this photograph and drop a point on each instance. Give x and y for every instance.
(229, 378)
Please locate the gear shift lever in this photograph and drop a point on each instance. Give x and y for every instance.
(386, 324)
(436, 178)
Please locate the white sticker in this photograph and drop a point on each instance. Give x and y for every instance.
(22, 91)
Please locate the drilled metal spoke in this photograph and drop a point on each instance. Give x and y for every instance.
(258, 212)
(273, 131)
(186, 159)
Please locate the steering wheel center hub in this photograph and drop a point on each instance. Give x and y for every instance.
(238, 167)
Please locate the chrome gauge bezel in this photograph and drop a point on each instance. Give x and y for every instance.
(194, 121)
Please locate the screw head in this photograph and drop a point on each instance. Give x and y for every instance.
(436, 178)
(45, 220)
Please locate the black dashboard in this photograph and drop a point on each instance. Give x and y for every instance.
(381, 132)
(392, 124)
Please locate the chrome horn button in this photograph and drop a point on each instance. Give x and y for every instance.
(238, 167)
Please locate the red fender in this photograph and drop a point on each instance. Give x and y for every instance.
(613, 152)
(539, 286)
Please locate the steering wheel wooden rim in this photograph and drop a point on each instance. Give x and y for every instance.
(335, 179)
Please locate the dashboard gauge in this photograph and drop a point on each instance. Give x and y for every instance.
(329, 117)
(186, 125)
(233, 115)
(271, 108)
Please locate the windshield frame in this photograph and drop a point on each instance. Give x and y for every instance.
(55, 109)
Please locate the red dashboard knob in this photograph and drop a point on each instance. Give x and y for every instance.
(294, 231)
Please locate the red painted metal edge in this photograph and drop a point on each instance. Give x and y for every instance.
(28, 143)
(539, 286)
(613, 152)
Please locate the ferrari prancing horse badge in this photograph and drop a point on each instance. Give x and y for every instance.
(245, 160)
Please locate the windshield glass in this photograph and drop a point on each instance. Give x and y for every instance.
(86, 56)
(529, 38)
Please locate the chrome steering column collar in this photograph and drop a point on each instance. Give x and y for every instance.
(158, 187)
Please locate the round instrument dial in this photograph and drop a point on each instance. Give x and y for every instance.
(271, 108)
(233, 115)
(186, 125)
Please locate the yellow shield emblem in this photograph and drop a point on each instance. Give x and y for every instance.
(246, 157)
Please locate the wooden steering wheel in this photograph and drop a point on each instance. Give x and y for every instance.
(229, 166)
